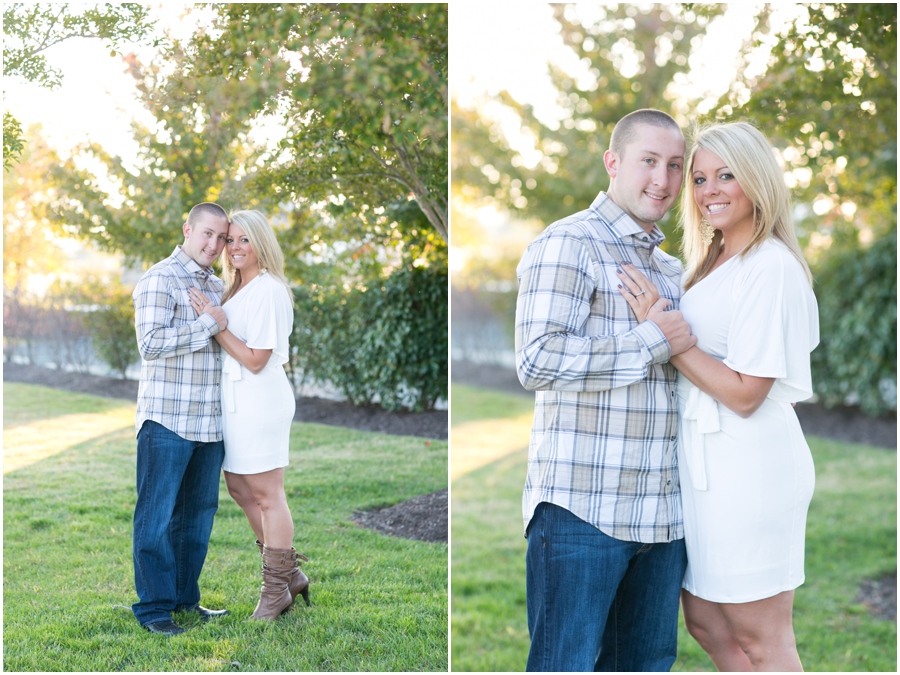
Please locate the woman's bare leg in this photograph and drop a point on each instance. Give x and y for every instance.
(240, 493)
(708, 626)
(266, 494)
(765, 631)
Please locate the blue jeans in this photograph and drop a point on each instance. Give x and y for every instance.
(177, 498)
(596, 603)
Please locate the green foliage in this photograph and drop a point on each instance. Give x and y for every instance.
(194, 153)
(378, 603)
(570, 171)
(386, 342)
(361, 88)
(29, 29)
(857, 356)
(829, 98)
(12, 140)
(111, 324)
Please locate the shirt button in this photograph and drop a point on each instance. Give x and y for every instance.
(668, 482)
(671, 438)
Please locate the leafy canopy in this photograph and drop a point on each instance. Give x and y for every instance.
(360, 88)
(30, 29)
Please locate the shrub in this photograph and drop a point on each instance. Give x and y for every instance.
(386, 343)
(856, 361)
(112, 331)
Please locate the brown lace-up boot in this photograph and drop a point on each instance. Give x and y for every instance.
(275, 597)
(299, 584)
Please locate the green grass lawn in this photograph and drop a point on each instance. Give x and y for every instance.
(851, 536)
(378, 603)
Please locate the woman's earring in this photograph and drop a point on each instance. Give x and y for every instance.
(707, 231)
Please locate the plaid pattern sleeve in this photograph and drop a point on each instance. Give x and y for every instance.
(156, 302)
(603, 440)
(180, 368)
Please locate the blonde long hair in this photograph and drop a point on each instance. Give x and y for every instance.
(265, 246)
(750, 158)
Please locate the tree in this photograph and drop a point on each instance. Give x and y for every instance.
(195, 152)
(828, 101)
(635, 53)
(30, 29)
(29, 245)
(361, 88)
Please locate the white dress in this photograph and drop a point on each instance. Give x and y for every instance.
(257, 410)
(747, 483)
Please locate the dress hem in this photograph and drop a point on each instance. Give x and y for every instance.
(756, 596)
(255, 471)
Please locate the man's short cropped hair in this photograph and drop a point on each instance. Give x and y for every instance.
(626, 129)
(205, 208)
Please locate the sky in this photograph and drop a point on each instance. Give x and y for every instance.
(97, 98)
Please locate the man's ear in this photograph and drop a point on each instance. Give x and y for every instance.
(611, 162)
(186, 229)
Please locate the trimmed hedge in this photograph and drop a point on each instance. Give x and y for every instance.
(386, 344)
(856, 361)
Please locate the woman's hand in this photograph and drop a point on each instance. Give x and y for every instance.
(202, 304)
(639, 292)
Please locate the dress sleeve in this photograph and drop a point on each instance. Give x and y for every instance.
(775, 324)
(271, 318)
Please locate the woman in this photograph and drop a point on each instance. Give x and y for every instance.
(746, 471)
(258, 401)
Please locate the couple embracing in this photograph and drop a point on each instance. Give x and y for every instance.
(666, 460)
(213, 395)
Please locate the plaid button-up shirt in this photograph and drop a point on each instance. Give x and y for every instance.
(605, 417)
(180, 371)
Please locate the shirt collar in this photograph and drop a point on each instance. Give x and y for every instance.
(620, 223)
(191, 265)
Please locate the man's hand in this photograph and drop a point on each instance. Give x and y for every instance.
(218, 314)
(673, 326)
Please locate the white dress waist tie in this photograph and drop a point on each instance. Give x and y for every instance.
(231, 373)
(701, 411)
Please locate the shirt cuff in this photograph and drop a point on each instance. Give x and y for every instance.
(654, 346)
(209, 323)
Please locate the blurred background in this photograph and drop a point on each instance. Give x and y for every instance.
(535, 92)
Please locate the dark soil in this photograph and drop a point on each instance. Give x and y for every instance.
(423, 517)
(880, 596)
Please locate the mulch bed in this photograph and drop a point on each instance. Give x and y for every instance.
(423, 517)
(880, 596)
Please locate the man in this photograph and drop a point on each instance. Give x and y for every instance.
(179, 424)
(602, 502)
